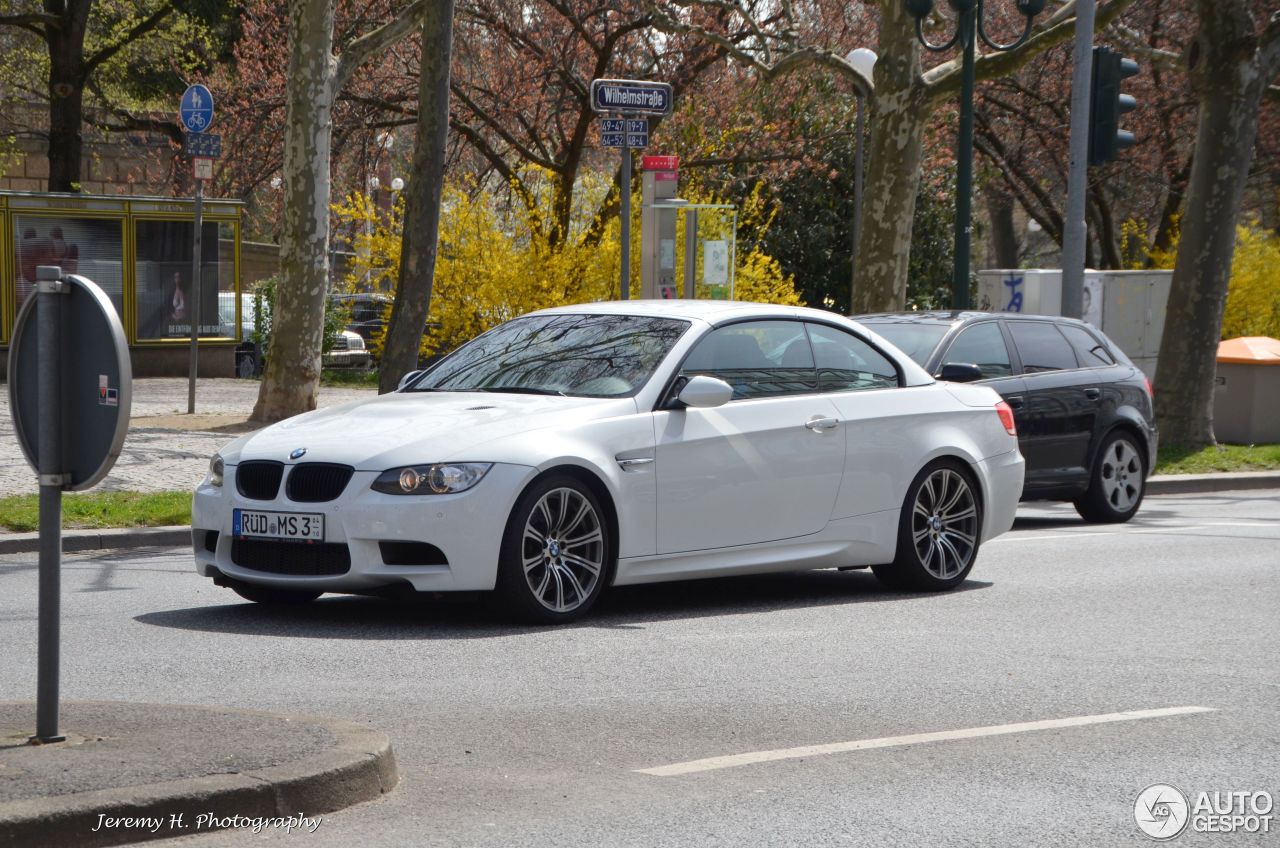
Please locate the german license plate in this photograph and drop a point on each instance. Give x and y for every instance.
(299, 526)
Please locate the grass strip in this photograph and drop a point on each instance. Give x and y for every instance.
(99, 510)
(1218, 458)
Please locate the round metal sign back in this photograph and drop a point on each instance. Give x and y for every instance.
(96, 382)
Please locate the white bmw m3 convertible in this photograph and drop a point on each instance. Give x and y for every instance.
(612, 443)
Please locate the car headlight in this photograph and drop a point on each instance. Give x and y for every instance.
(355, 343)
(441, 479)
(216, 467)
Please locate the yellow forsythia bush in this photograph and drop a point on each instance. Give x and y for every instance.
(1253, 292)
(1253, 300)
(496, 259)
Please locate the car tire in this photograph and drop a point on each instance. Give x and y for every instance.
(273, 596)
(556, 552)
(938, 531)
(1117, 483)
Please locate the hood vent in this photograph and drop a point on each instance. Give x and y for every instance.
(477, 408)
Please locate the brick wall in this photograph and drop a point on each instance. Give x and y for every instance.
(123, 164)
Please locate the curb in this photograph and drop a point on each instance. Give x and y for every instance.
(1182, 484)
(94, 540)
(359, 767)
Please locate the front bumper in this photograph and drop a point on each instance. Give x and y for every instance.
(347, 359)
(466, 528)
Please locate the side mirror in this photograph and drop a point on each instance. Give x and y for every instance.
(960, 372)
(407, 379)
(705, 392)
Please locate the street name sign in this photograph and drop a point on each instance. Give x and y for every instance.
(637, 132)
(196, 110)
(631, 97)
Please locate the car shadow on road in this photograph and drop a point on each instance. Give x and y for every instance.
(469, 617)
(1069, 519)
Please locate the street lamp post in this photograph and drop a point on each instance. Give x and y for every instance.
(863, 61)
(968, 29)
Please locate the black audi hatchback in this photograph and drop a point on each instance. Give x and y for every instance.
(1083, 410)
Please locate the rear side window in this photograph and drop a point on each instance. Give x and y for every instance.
(1042, 347)
(1091, 352)
(848, 364)
(982, 345)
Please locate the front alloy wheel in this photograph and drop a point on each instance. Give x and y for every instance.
(937, 532)
(555, 568)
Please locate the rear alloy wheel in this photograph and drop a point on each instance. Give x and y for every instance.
(937, 531)
(1118, 482)
(555, 553)
(273, 596)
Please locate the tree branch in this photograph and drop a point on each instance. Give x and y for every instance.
(1269, 49)
(140, 29)
(31, 21)
(363, 48)
(497, 127)
(943, 81)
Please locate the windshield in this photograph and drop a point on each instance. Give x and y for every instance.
(577, 355)
(914, 339)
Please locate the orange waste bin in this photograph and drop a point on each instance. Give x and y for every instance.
(1246, 398)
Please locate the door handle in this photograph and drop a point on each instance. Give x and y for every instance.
(1093, 394)
(819, 423)
(1015, 401)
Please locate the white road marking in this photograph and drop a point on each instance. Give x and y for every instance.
(1022, 538)
(733, 760)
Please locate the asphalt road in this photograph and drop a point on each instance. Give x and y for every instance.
(512, 736)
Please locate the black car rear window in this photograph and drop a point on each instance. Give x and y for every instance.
(1042, 347)
(1091, 352)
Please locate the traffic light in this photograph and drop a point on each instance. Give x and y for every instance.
(1107, 104)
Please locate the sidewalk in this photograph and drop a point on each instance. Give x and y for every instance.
(179, 770)
(166, 449)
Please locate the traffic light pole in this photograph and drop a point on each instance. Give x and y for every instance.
(1074, 231)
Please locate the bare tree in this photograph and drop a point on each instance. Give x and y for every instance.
(422, 205)
(316, 75)
(1230, 64)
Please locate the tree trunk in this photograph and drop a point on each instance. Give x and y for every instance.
(422, 205)
(1229, 67)
(1004, 233)
(292, 376)
(893, 166)
(66, 92)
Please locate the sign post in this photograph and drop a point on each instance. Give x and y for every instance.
(632, 100)
(196, 114)
(69, 393)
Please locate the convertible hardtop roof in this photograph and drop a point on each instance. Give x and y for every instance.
(711, 311)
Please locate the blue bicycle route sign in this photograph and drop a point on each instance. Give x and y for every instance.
(196, 111)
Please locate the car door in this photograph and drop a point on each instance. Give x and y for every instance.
(1061, 407)
(764, 466)
(882, 422)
